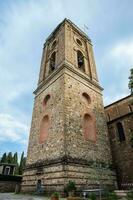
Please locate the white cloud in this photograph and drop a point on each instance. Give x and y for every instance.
(114, 97)
(123, 51)
(12, 130)
(117, 62)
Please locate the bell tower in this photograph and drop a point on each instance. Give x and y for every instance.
(68, 137)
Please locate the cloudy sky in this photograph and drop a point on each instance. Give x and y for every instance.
(24, 25)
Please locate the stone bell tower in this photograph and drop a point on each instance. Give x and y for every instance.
(68, 137)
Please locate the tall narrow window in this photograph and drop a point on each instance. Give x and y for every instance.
(52, 61)
(80, 60)
(121, 133)
(89, 128)
(44, 127)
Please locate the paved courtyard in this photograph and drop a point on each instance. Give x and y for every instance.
(11, 196)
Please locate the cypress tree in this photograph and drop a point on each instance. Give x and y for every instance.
(22, 163)
(15, 161)
(130, 85)
(4, 158)
(9, 157)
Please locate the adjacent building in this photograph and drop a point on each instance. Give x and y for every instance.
(119, 117)
(7, 168)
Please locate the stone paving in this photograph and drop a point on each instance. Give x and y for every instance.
(12, 196)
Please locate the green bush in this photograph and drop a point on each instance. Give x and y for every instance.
(70, 186)
(111, 196)
(130, 195)
(92, 196)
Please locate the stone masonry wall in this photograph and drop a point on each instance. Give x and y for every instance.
(53, 147)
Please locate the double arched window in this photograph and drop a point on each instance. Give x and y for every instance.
(52, 61)
(80, 60)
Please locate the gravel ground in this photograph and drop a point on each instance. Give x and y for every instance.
(12, 196)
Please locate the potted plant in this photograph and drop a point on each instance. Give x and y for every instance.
(70, 188)
(92, 196)
(55, 196)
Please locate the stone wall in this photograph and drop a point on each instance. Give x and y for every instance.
(7, 186)
(8, 183)
(66, 154)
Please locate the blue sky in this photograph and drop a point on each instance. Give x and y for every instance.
(24, 26)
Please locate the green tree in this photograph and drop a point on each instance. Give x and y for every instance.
(130, 85)
(15, 161)
(22, 163)
(9, 158)
(4, 158)
(15, 158)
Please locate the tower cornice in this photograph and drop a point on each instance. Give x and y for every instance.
(75, 27)
(70, 68)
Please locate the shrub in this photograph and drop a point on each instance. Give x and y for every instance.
(92, 196)
(70, 186)
(130, 195)
(111, 196)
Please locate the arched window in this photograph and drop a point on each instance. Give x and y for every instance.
(80, 60)
(52, 61)
(89, 128)
(44, 127)
(121, 133)
(86, 97)
(46, 99)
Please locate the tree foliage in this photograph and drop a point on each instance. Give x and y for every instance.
(4, 158)
(9, 158)
(22, 163)
(130, 85)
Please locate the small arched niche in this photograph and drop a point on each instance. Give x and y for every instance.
(80, 60)
(86, 98)
(44, 128)
(89, 129)
(52, 62)
(46, 99)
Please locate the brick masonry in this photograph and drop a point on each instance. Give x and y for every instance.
(122, 151)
